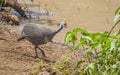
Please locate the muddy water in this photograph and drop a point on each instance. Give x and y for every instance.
(92, 15)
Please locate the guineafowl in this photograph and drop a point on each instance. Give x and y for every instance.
(39, 34)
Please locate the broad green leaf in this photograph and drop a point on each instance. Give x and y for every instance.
(117, 11)
(91, 65)
(80, 30)
(116, 19)
(87, 37)
(71, 36)
(67, 37)
(113, 45)
(114, 66)
(117, 16)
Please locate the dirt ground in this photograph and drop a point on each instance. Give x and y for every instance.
(17, 58)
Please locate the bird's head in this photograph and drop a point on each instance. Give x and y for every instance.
(64, 24)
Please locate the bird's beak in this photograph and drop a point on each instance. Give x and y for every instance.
(65, 24)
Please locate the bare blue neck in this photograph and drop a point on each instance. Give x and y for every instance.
(60, 28)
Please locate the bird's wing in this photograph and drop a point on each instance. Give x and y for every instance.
(33, 31)
(38, 32)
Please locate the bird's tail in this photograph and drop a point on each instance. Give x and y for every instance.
(21, 38)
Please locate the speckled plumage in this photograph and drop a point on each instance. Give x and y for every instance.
(39, 34)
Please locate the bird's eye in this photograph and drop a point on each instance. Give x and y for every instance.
(65, 24)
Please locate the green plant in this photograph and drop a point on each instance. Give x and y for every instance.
(36, 69)
(63, 65)
(102, 49)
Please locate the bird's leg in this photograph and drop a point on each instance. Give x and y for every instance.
(43, 54)
(36, 55)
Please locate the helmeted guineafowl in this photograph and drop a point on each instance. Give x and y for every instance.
(39, 34)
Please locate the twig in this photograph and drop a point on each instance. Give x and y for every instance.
(3, 39)
(113, 28)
